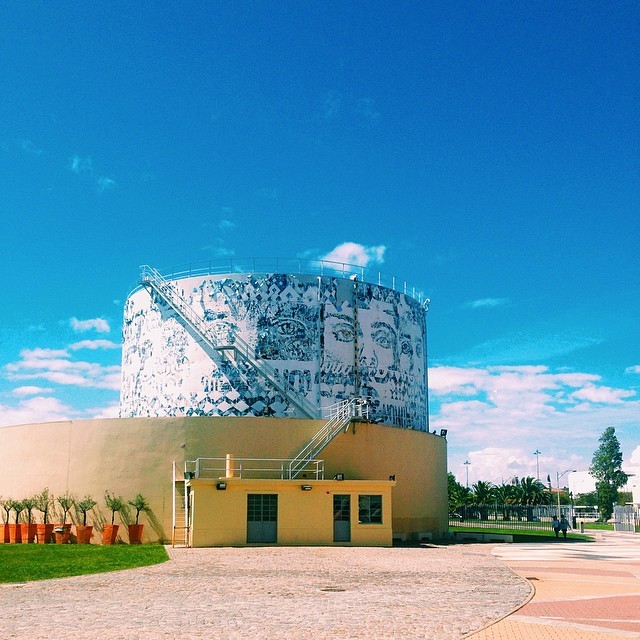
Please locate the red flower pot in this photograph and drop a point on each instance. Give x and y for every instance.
(61, 537)
(44, 533)
(83, 533)
(15, 534)
(4, 533)
(135, 533)
(110, 533)
(28, 532)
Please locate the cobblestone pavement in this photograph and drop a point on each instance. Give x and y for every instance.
(427, 592)
(583, 591)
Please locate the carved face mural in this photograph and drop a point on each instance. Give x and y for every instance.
(302, 326)
(384, 338)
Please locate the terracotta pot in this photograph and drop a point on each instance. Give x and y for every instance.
(4, 533)
(28, 532)
(62, 537)
(135, 533)
(44, 533)
(15, 534)
(83, 533)
(110, 533)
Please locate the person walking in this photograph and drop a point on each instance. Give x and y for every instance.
(564, 525)
(555, 523)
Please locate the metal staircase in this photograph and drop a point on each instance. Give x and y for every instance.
(236, 352)
(341, 415)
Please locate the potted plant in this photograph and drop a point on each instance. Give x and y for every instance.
(115, 505)
(84, 531)
(44, 531)
(6, 507)
(14, 529)
(63, 529)
(135, 530)
(28, 528)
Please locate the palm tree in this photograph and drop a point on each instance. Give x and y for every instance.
(504, 495)
(482, 496)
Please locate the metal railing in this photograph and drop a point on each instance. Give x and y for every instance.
(251, 468)
(340, 416)
(300, 266)
(509, 516)
(153, 279)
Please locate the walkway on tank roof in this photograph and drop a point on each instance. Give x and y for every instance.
(297, 266)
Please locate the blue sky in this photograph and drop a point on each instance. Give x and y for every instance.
(487, 152)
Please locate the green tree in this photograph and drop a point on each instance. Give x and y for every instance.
(606, 468)
(482, 496)
(459, 495)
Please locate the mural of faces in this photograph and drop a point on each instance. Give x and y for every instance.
(303, 326)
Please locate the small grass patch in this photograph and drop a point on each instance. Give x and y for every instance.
(598, 526)
(26, 562)
(533, 535)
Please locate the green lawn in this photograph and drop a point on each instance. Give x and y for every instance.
(25, 562)
(533, 535)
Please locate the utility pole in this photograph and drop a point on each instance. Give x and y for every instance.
(466, 464)
(537, 453)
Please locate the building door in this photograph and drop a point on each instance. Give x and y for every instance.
(262, 517)
(341, 518)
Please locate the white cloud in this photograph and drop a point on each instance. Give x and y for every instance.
(31, 391)
(356, 254)
(522, 409)
(110, 411)
(226, 225)
(634, 459)
(29, 147)
(487, 302)
(94, 344)
(104, 183)
(55, 366)
(98, 324)
(635, 369)
(81, 165)
(36, 410)
(606, 395)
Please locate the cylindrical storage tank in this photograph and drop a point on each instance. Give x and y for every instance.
(273, 344)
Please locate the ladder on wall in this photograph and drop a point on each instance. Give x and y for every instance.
(341, 415)
(179, 513)
(236, 351)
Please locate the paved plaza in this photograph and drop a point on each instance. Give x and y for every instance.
(570, 591)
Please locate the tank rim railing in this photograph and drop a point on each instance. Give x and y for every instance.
(299, 266)
(250, 468)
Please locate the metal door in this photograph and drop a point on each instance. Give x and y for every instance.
(262, 517)
(342, 518)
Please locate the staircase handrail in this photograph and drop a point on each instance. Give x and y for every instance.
(152, 277)
(342, 415)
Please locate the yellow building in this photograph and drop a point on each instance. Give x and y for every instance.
(315, 385)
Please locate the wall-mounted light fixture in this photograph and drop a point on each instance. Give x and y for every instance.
(392, 477)
(221, 486)
(443, 433)
(306, 487)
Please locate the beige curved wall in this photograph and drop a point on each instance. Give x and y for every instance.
(130, 456)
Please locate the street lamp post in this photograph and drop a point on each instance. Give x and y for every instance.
(537, 453)
(558, 476)
(466, 464)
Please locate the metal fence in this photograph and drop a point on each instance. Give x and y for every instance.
(510, 516)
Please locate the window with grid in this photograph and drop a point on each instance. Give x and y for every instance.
(370, 509)
(262, 507)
